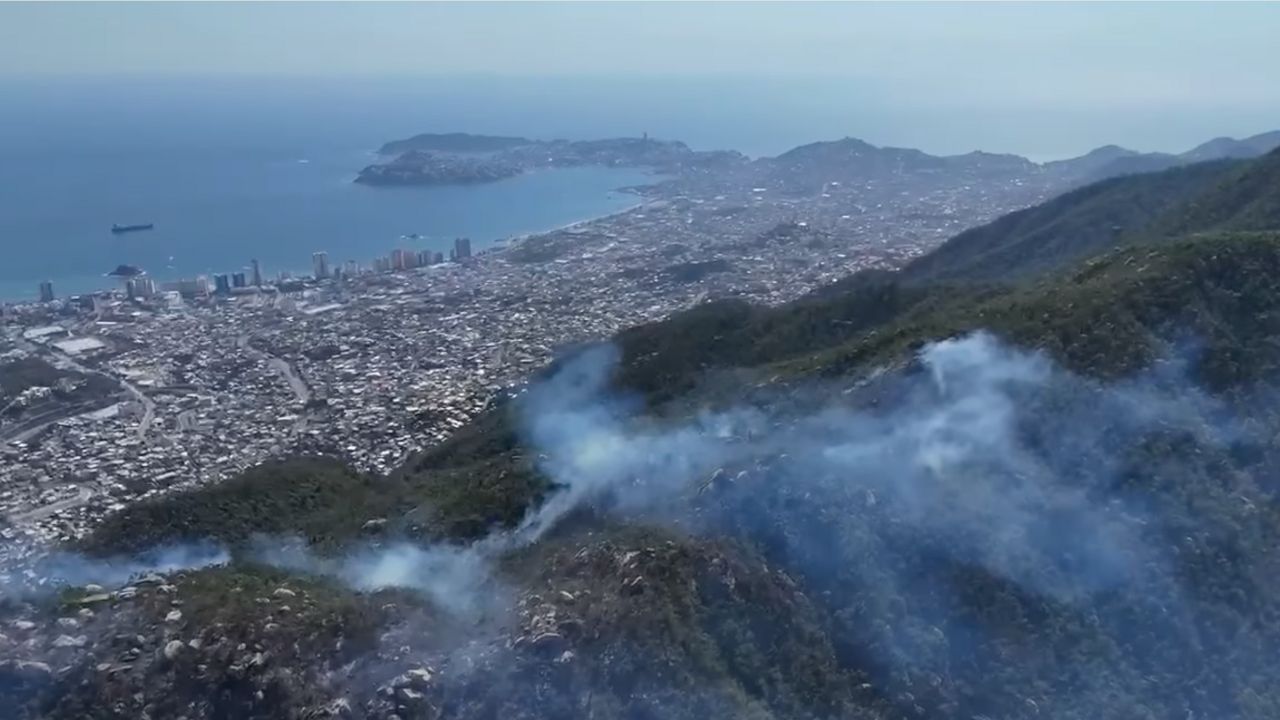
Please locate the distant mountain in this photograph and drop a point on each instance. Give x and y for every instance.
(854, 160)
(1083, 222)
(1112, 160)
(1247, 199)
(1109, 161)
(453, 143)
(459, 158)
(842, 158)
(1215, 196)
(1225, 147)
(851, 160)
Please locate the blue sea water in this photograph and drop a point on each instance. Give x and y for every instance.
(234, 168)
(236, 182)
(215, 211)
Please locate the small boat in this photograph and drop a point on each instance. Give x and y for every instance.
(131, 228)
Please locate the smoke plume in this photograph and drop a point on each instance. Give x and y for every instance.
(985, 449)
(72, 569)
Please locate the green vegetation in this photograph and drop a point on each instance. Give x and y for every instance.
(1056, 234)
(247, 651)
(70, 391)
(795, 600)
(1112, 316)
(21, 374)
(1247, 198)
(314, 498)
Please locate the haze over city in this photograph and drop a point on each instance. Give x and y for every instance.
(1041, 79)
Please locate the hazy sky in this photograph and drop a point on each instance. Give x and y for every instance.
(1219, 58)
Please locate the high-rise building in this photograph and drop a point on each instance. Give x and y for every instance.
(222, 284)
(461, 248)
(402, 259)
(46, 291)
(257, 273)
(145, 286)
(320, 265)
(439, 257)
(237, 280)
(425, 258)
(187, 287)
(352, 269)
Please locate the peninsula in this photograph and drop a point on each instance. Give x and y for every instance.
(815, 168)
(461, 158)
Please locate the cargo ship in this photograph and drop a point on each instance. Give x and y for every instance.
(131, 228)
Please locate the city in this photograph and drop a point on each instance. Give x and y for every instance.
(372, 363)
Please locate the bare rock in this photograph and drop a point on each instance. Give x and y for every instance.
(420, 677)
(25, 673)
(634, 585)
(551, 643)
(172, 649)
(67, 641)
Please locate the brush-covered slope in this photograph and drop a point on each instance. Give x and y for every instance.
(1066, 229)
(1229, 195)
(773, 593)
(889, 499)
(1246, 199)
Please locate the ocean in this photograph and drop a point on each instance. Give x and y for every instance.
(224, 187)
(216, 211)
(231, 169)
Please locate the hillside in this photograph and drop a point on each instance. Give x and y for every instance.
(1225, 147)
(1078, 224)
(893, 498)
(1246, 199)
(761, 595)
(851, 160)
(1113, 161)
(453, 143)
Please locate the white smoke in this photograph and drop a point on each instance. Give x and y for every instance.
(456, 578)
(954, 453)
(72, 569)
(951, 453)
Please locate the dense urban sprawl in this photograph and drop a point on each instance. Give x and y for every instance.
(373, 363)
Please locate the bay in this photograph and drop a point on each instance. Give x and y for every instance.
(215, 209)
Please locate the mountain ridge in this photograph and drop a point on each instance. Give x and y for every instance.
(436, 158)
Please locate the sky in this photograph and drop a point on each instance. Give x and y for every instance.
(1215, 61)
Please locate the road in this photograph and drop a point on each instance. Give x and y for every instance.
(148, 405)
(29, 428)
(286, 370)
(36, 514)
(64, 361)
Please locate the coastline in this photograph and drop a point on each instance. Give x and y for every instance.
(514, 241)
(14, 294)
(643, 201)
